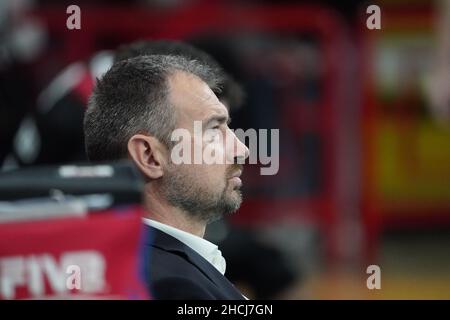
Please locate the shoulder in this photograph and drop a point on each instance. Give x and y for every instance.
(178, 287)
(165, 263)
(175, 267)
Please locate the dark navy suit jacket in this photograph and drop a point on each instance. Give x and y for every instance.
(174, 271)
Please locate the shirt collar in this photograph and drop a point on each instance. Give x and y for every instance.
(209, 251)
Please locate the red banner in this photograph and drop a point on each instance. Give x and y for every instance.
(93, 257)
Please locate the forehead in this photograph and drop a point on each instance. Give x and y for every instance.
(192, 98)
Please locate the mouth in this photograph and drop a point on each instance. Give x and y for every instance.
(235, 178)
(237, 174)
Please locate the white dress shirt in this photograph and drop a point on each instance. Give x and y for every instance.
(209, 251)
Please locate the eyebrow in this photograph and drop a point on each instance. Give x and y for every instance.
(221, 119)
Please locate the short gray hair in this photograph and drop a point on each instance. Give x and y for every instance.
(131, 98)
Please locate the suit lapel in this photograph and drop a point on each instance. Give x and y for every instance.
(168, 243)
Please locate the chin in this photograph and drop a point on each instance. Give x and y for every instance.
(236, 199)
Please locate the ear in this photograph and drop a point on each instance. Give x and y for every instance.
(147, 153)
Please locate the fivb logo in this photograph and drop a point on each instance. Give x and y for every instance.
(211, 147)
(80, 270)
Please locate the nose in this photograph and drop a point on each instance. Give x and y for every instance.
(240, 151)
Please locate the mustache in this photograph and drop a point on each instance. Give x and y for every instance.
(234, 168)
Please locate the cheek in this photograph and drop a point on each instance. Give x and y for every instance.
(208, 176)
(216, 174)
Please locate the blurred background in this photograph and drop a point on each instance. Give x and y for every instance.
(364, 119)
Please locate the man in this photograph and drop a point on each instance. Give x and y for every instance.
(243, 252)
(132, 113)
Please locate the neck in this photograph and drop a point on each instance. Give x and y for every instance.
(158, 209)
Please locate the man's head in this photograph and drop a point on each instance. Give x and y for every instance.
(132, 113)
(229, 92)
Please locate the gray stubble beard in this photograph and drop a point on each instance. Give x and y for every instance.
(197, 202)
